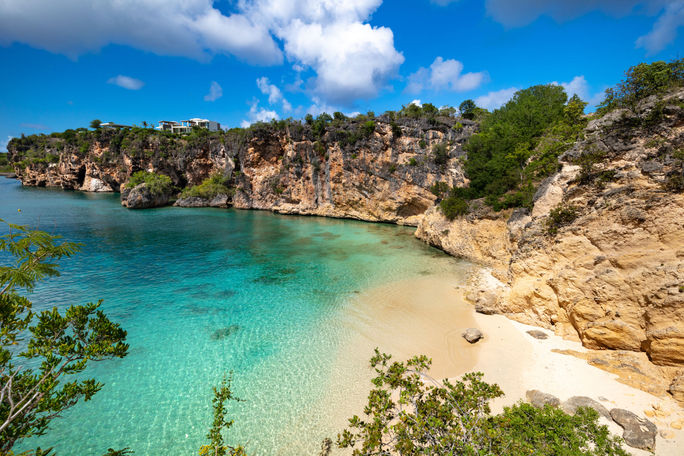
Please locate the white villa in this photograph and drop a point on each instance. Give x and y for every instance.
(185, 126)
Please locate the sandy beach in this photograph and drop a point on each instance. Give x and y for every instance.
(427, 316)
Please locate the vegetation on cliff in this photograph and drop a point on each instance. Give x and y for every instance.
(5, 166)
(518, 145)
(157, 184)
(216, 184)
(642, 81)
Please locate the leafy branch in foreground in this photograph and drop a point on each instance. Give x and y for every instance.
(222, 395)
(39, 350)
(409, 413)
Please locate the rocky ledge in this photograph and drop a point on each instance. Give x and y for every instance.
(613, 275)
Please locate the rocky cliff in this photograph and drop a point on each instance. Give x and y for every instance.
(374, 170)
(601, 255)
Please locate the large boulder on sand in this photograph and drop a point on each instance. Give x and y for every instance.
(540, 399)
(638, 432)
(571, 405)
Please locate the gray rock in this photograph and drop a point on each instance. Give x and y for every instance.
(571, 405)
(472, 335)
(638, 432)
(140, 197)
(540, 399)
(219, 201)
(537, 334)
(485, 303)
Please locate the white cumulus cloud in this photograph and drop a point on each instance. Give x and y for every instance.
(350, 58)
(190, 28)
(3, 144)
(274, 94)
(126, 82)
(496, 99)
(258, 114)
(665, 29)
(215, 92)
(444, 75)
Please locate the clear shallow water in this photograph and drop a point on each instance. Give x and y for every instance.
(203, 292)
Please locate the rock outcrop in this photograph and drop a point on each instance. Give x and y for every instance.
(613, 277)
(383, 175)
(141, 197)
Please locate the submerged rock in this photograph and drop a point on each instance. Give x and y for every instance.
(638, 432)
(472, 335)
(222, 333)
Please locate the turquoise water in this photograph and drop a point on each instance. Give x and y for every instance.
(203, 292)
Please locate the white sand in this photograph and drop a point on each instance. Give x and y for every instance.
(428, 315)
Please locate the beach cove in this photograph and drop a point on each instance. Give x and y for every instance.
(298, 346)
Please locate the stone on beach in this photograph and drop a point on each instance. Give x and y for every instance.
(638, 432)
(539, 399)
(472, 335)
(537, 334)
(571, 405)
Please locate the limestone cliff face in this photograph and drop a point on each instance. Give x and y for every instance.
(383, 178)
(384, 175)
(614, 277)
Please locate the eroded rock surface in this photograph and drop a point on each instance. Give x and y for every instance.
(638, 432)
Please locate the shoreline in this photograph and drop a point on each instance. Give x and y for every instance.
(507, 355)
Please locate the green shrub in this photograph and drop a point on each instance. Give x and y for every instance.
(641, 81)
(396, 129)
(440, 154)
(410, 414)
(392, 168)
(458, 126)
(467, 109)
(216, 184)
(368, 128)
(412, 162)
(453, 206)
(158, 184)
(422, 144)
(560, 216)
(440, 189)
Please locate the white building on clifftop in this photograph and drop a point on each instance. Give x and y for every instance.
(185, 126)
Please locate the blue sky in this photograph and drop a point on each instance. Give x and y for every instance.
(70, 61)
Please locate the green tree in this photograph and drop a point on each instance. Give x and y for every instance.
(409, 413)
(641, 81)
(467, 109)
(217, 447)
(42, 354)
(95, 124)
